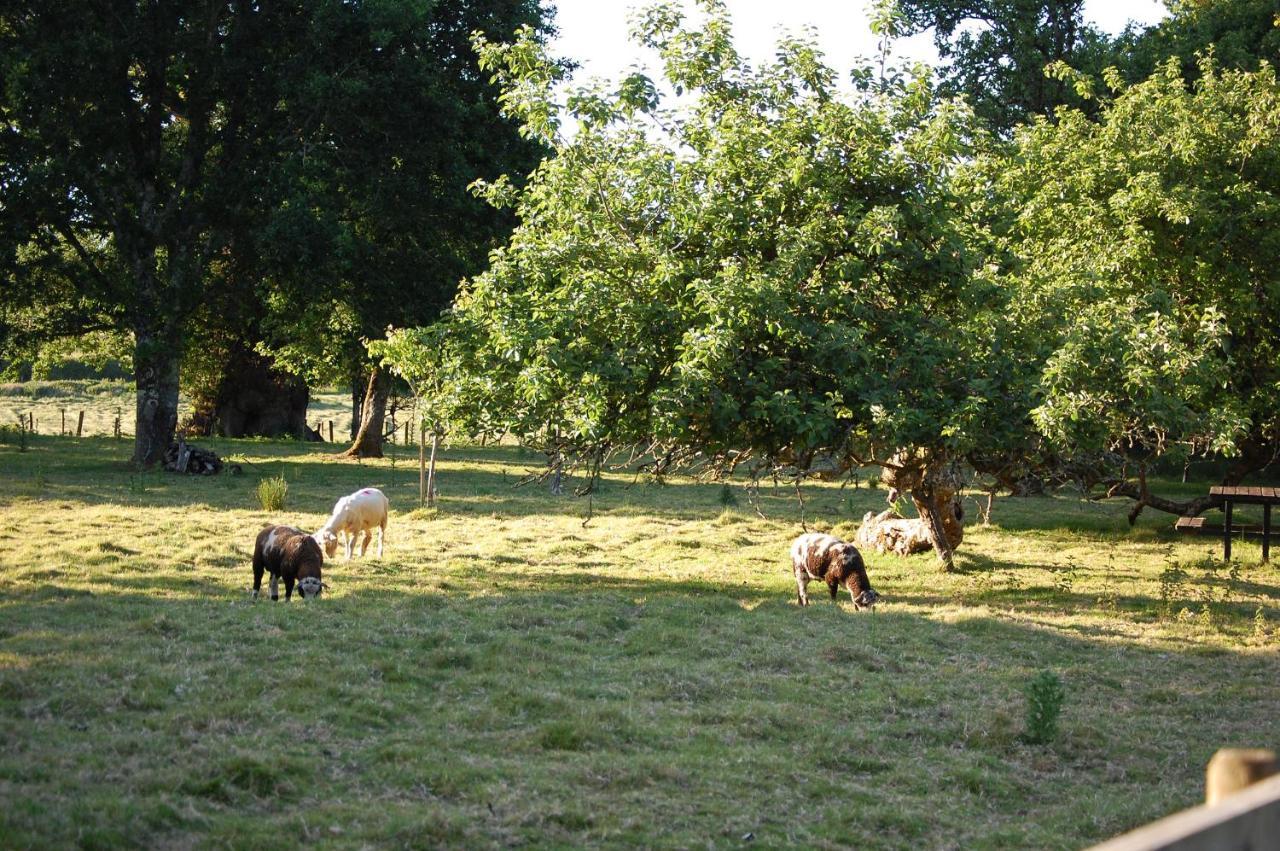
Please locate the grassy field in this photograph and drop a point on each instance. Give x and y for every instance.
(507, 675)
(54, 407)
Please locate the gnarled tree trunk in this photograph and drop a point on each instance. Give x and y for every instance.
(368, 442)
(934, 487)
(157, 359)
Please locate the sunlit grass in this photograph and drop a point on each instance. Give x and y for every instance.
(514, 673)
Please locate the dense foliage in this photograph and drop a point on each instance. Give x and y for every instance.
(995, 52)
(290, 175)
(1155, 231)
(771, 274)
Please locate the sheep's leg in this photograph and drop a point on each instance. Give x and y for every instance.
(364, 545)
(349, 544)
(258, 569)
(834, 588)
(382, 530)
(288, 588)
(802, 587)
(275, 586)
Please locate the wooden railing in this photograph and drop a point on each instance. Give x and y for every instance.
(1242, 811)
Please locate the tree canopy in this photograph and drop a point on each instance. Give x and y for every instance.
(770, 273)
(1155, 232)
(159, 159)
(995, 52)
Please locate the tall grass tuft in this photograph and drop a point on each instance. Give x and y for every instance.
(1045, 695)
(271, 493)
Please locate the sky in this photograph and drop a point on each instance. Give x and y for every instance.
(594, 32)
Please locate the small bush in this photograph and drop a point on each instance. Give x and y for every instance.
(1045, 695)
(727, 496)
(271, 493)
(15, 435)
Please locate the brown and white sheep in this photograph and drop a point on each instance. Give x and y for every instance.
(835, 562)
(284, 551)
(361, 511)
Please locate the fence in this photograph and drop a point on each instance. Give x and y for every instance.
(1243, 811)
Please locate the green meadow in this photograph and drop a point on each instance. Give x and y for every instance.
(522, 669)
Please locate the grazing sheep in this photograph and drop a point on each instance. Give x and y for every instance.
(359, 512)
(291, 553)
(835, 562)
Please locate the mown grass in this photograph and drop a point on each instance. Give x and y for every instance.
(507, 675)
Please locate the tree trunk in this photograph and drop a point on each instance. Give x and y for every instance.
(357, 400)
(945, 530)
(156, 368)
(933, 487)
(368, 441)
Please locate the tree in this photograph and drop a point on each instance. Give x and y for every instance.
(1241, 33)
(127, 139)
(997, 50)
(771, 275)
(1156, 231)
(378, 227)
(310, 155)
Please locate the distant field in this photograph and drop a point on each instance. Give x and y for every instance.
(56, 405)
(510, 675)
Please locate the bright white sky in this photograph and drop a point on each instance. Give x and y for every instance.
(594, 32)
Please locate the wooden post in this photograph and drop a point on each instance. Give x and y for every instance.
(80, 425)
(184, 456)
(406, 434)
(31, 421)
(331, 431)
(1226, 531)
(1232, 769)
(431, 470)
(422, 465)
(63, 429)
(1266, 532)
(117, 424)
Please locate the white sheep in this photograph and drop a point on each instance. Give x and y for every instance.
(359, 512)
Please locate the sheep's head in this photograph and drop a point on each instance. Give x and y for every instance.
(856, 579)
(328, 542)
(310, 586)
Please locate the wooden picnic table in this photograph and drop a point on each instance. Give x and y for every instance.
(1230, 495)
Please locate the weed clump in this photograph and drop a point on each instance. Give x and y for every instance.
(271, 493)
(1045, 695)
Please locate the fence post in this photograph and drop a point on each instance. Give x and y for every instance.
(80, 425)
(1232, 769)
(63, 429)
(331, 431)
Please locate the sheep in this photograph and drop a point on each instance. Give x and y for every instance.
(835, 562)
(359, 512)
(291, 553)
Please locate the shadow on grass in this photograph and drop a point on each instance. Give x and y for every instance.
(450, 698)
(483, 480)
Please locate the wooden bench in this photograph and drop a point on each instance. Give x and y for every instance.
(1200, 526)
(1229, 495)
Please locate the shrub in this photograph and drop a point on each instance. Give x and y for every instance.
(271, 493)
(1045, 694)
(15, 435)
(727, 496)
